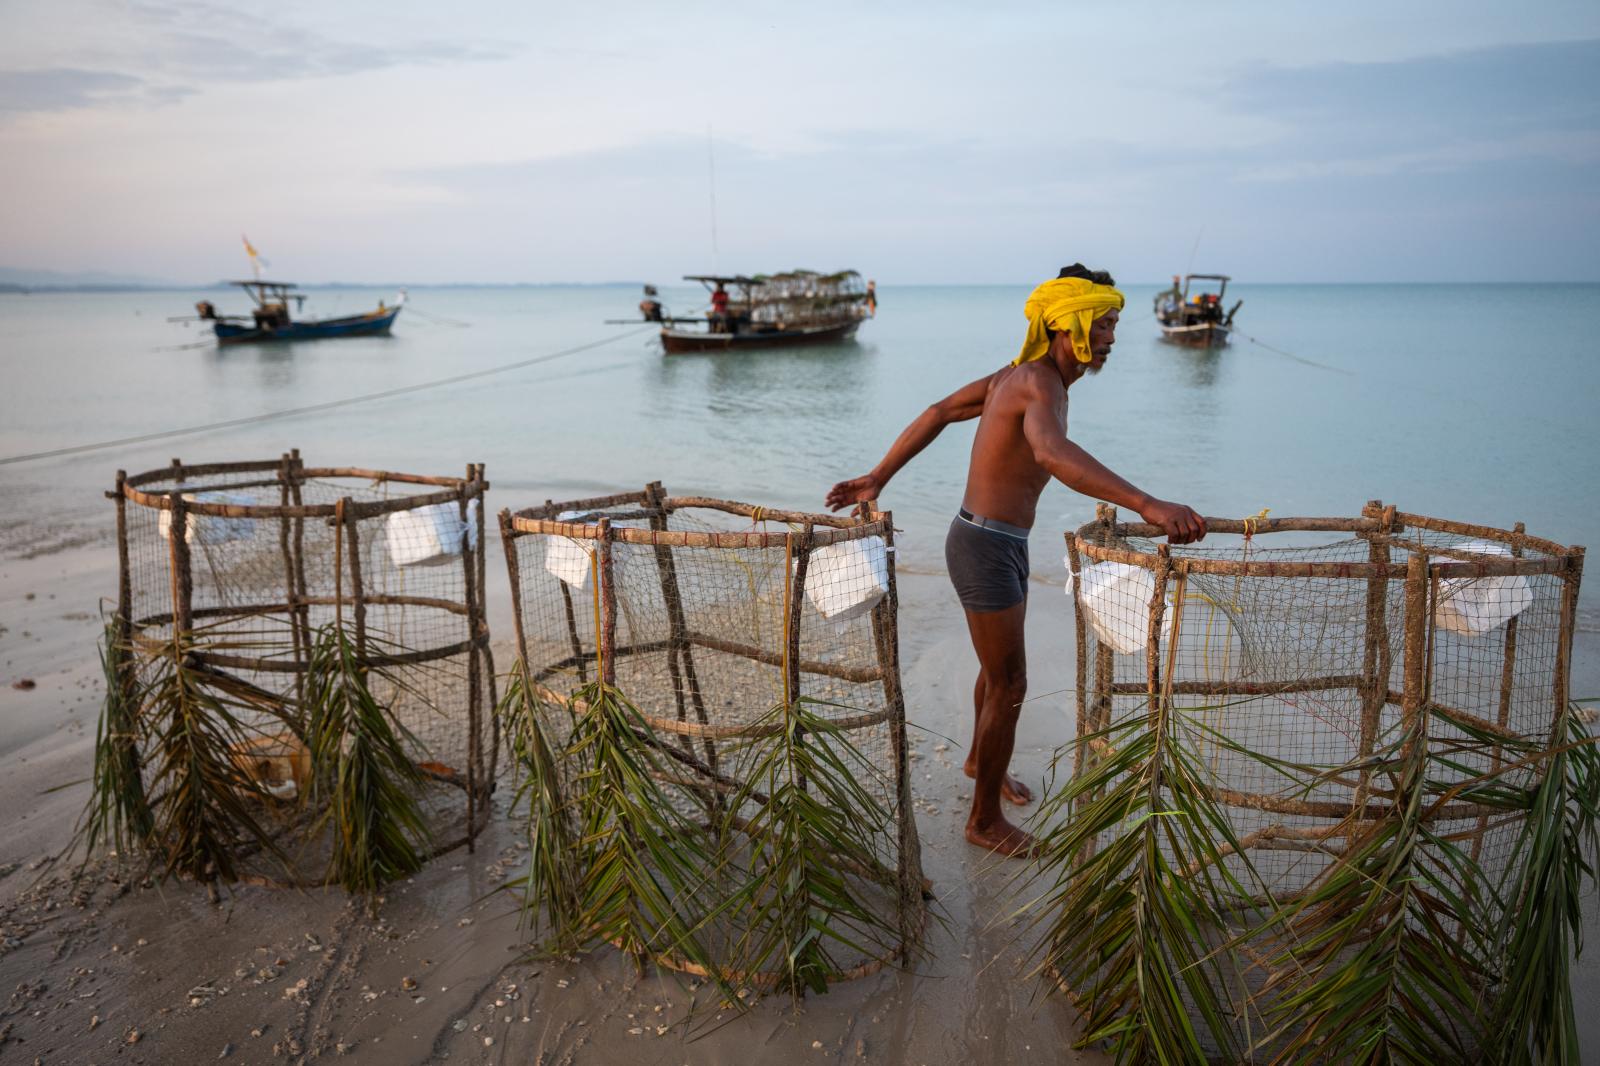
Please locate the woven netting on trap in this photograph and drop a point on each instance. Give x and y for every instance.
(708, 716)
(1319, 792)
(298, 673)
(804, 298)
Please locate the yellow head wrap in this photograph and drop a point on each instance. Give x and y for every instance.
(1065, 303)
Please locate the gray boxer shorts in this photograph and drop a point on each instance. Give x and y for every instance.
(987, 561)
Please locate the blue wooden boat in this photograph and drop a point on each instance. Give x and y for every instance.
(271, 321)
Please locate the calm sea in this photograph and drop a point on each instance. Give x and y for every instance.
(1469, 402)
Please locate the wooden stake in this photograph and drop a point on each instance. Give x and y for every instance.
(182, 578)
(1081, 639)
(124, 627)
(1158, 608)
(608, 607)
(301, 616)
(1376, 662)
(798, 549)
(124, 663)
(508, 541)
(1569, 624)
(677, 626)
(1508, 673)
(285, 534)
(358, 598)
(469, 575)
(1415, 666)
(480, 488)
(887, 614)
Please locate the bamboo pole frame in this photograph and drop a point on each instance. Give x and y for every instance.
(1424, 747)
(486, 654)
(1421, 573)
(1080, 688)
(1562, 681)
(520, 523)
(886, 627)
(179, 489)
(680, 716)
(680, 658)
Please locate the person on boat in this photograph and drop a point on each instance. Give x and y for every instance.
(1169, 300)
(721, 322)
(872, 299)
(650, 307)
(1021, 443)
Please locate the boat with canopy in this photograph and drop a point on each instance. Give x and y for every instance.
(770, 310)
(1190, 313)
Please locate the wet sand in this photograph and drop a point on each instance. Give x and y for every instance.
(100, 969)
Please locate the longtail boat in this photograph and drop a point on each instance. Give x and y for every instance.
(1195, 319)
(770, 311)
(270, 320)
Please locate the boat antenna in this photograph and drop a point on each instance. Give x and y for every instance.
(1190, 268)
(711, 160)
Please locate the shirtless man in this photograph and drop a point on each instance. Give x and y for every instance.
(1020, 445)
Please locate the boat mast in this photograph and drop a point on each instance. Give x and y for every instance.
(711, 162)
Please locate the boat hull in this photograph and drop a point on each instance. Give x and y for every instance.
(374, 323)
(677, 341)
(1203, 335)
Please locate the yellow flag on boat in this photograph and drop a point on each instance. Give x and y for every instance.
(250, 250)
(1070, 304)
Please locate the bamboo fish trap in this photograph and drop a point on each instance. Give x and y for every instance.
(298, 672)
(1329, 796)
(707, 706)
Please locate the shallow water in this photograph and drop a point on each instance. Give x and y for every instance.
(1468, 402)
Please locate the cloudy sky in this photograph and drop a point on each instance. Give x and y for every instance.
(926, 142)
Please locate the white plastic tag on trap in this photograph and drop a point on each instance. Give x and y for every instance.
(846, 579)
(1475, 605)
(1116, 600)
(428, 536)
(210, 529)
(568, 558)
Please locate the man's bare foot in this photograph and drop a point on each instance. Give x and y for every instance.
(1013, 790)
(1002, 838)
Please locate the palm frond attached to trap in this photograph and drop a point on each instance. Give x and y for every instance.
(364, 774)
(708, 718)
(296, 674)
(1329, 801)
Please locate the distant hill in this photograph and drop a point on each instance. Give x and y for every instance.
(15, 278)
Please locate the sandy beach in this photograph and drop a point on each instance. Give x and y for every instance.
(102, 968)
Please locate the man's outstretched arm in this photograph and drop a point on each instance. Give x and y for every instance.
(1082, 472)
(963, 404)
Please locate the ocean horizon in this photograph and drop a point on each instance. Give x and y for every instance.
(7, 284)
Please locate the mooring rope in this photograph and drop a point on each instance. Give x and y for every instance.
(1297, 358)
(439, 319)
(1276, 351)
(269, 416)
